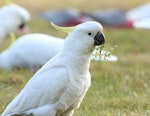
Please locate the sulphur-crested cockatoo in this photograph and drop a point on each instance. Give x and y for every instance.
(139, 13)
(140, 16)
(144, 23)
(42, 47)
(13, 18)
(58, 88)
(30, 51)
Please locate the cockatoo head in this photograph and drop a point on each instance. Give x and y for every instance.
(15, 17)
(86, 36)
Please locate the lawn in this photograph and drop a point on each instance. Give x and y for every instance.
(118, 88)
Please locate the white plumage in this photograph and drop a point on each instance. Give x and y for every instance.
(139, 13)
(12, 19)
(32, 51)
(60, 85)
(143, 23)
(140, 16)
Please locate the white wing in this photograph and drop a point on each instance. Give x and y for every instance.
(35, 46)
(29, 47)
(139, 12)
(144, 23)
(44, 88)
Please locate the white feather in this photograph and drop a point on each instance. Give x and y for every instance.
(144, 23)
(60, 85)
(32, 51)
(140, 16)
(139, 12)
(11, 17)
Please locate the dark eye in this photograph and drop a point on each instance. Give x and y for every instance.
(21, 26)
(89, 33)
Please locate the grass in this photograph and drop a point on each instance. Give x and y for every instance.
(118, 89)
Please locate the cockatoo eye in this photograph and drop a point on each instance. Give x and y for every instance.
(22, 26)
(89, 33)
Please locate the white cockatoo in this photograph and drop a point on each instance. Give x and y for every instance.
(30, 51)
(42, 47)
(139, 13)
(144, 23)
(58, 88)
(13, 18)
(140, 16)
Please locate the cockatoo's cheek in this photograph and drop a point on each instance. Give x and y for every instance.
(99, 39)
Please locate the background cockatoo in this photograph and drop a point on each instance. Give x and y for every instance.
(139, 13)
(13, 18)
(140, 16)
(58, 88)
(30, 51)
(42, 47)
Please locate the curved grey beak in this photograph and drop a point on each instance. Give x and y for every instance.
(99, 39)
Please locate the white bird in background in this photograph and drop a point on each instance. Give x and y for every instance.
(58, 88)
(140, 16)
(32, 51)
(144, 23)
(139, 12)
(13, 18)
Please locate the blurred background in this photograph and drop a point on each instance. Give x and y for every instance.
(118, 88)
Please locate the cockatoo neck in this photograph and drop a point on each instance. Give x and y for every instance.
(77, 52)
(77, 57)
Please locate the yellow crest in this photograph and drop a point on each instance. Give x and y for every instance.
(64, 29)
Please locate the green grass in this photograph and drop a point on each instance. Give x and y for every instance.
(118, 89)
